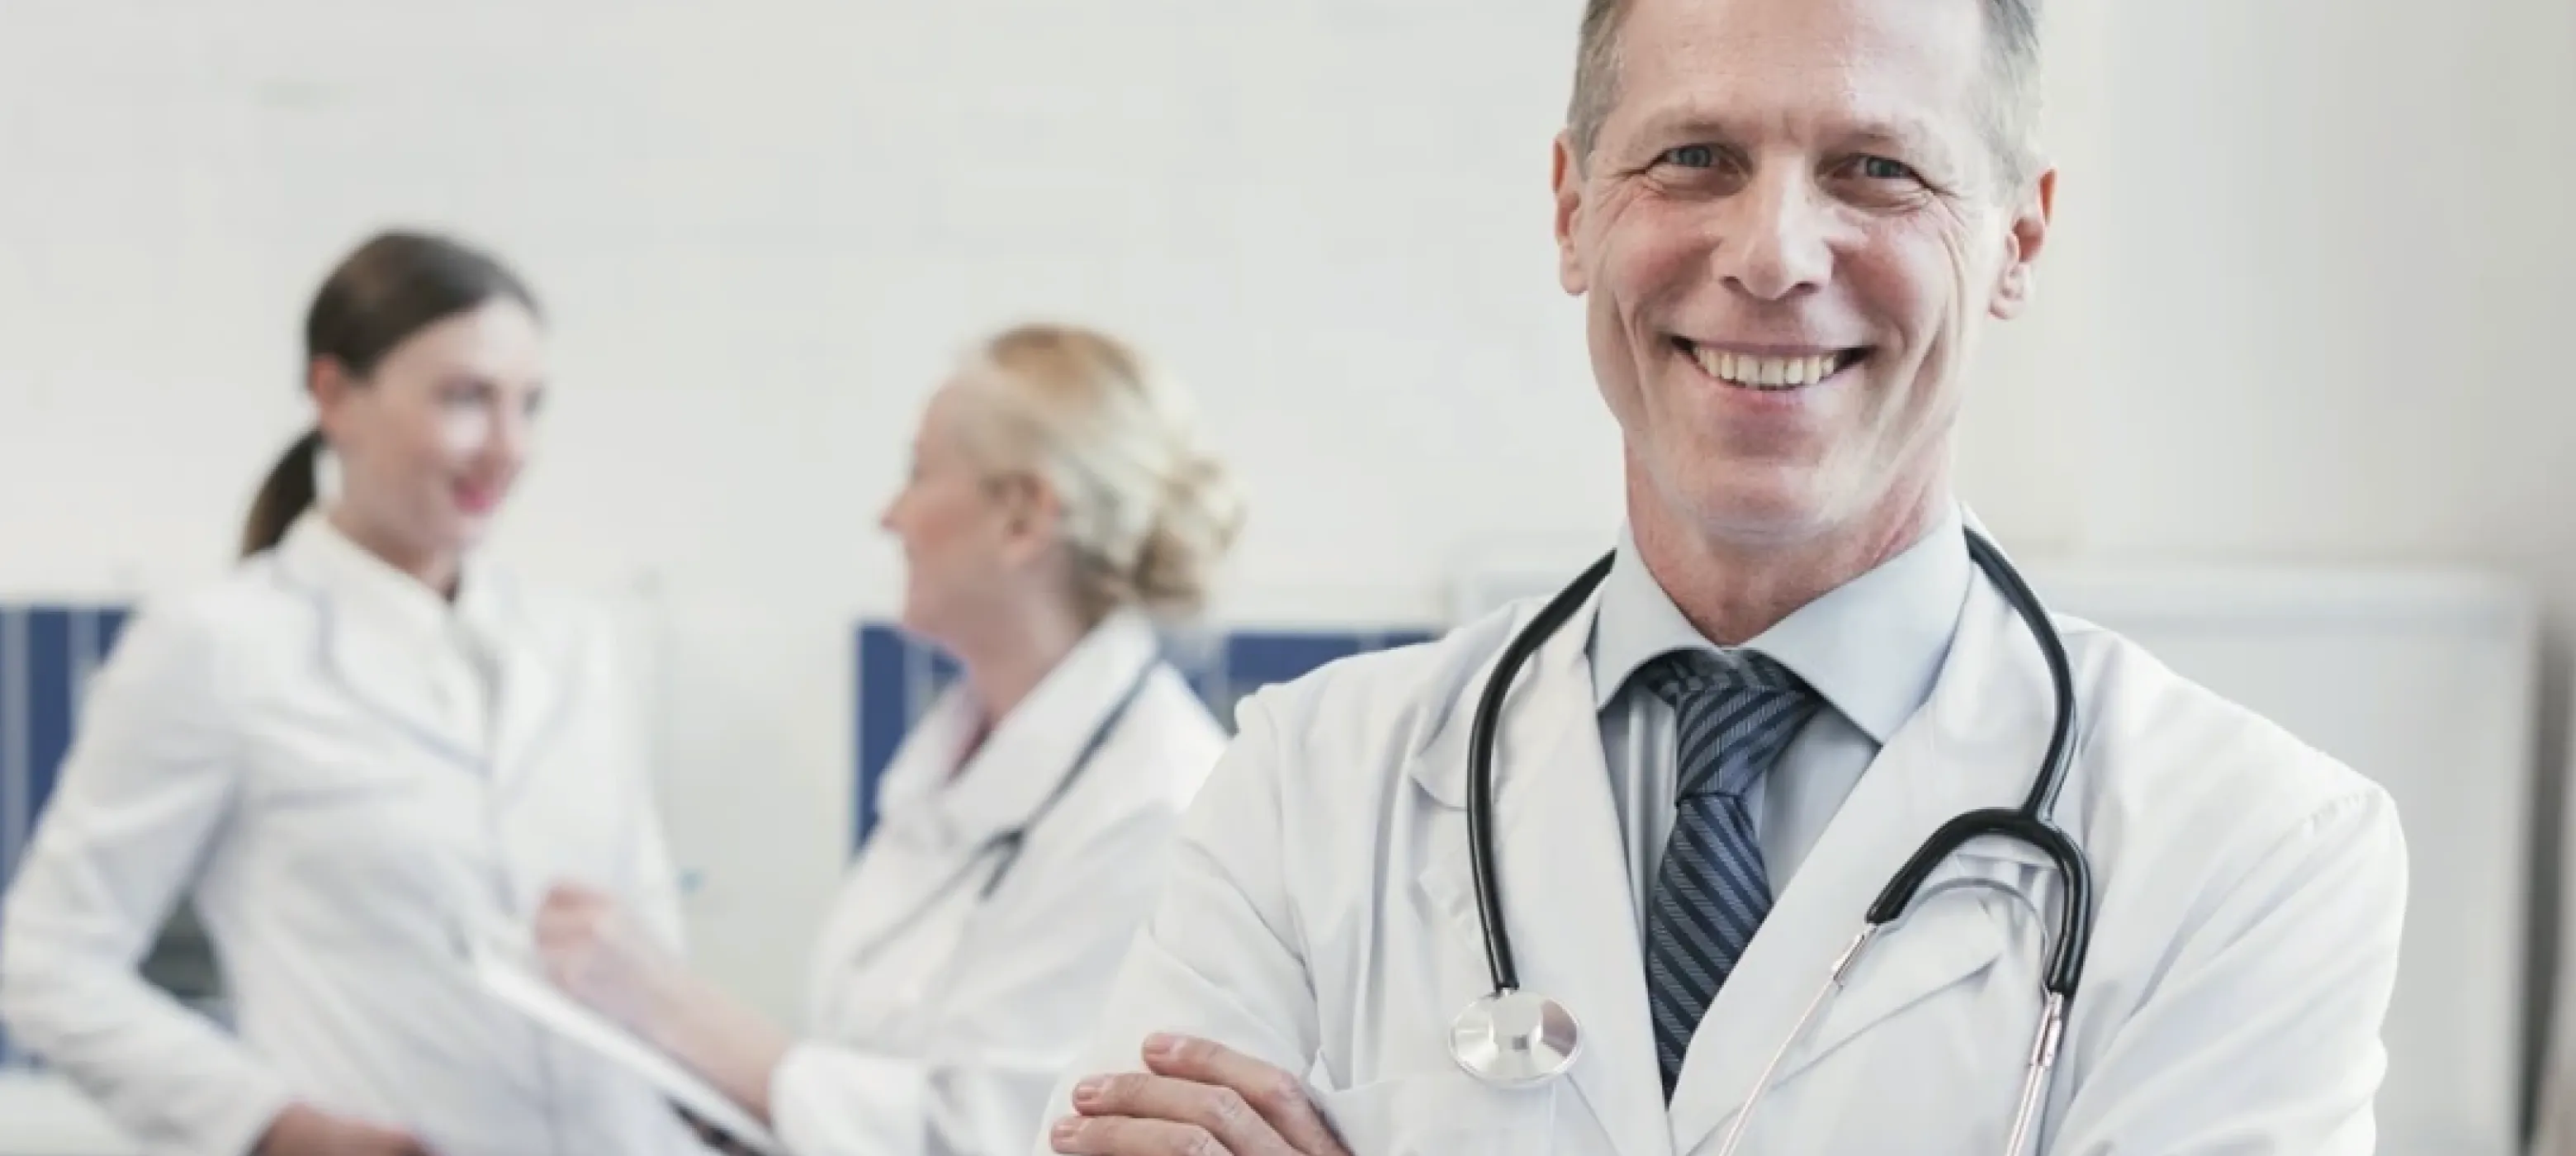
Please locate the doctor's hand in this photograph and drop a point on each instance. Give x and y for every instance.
(303, 1131)
(602, 956)
(1196, 1098)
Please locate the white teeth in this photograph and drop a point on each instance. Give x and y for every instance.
(1767, 372)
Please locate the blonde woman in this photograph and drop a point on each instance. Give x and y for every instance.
(1058, 507)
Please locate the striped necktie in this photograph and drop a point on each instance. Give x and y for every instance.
(1733, 715)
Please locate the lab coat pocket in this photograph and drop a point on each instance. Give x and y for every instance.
(1442, 1114)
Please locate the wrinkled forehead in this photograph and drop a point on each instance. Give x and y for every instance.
(1907, 71)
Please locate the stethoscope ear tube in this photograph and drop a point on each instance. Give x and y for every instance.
(2074, 920)
(1480, 765)
(2031, 823)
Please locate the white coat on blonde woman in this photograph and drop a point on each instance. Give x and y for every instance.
(936, 1017)
(1056, 510)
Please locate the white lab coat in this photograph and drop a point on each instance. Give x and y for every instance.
(938, 1023)
(276, 749)
(2249, 894)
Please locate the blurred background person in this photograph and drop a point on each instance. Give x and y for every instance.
(1058, 510)
(359, 747)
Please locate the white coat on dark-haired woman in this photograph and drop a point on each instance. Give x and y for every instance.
(360, 747)
(1057, 507)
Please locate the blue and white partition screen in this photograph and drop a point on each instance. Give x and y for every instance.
(899, 675)
(46, 653)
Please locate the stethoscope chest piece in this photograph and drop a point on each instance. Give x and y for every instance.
(1512, 1039)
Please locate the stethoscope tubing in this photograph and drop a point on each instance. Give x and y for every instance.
(2030, 824)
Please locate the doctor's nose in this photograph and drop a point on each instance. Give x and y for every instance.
(1772, 243)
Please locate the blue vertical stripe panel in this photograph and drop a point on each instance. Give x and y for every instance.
(882, 718)
(49, 708)
(898, 678)
(17, 783)
(17, 802)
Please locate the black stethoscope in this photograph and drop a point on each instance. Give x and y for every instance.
(1512, 1037)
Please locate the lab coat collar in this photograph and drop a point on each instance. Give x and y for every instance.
(1870, 647)
(1562, 872)
(1032, 749)
(377, 623)
(363, 584)
(1976, 744)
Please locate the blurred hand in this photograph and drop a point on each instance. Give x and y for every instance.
(596, 952)
(303, 1131)
(1197, 1097)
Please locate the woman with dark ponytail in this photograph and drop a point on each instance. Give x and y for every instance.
(284, 495)
(363, 750)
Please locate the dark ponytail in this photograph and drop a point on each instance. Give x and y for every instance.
(288, 491)
(391, 287)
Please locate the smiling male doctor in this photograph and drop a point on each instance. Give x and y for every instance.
(1789, 219)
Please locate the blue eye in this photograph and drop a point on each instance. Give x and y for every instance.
(1691, 156)
(1883, 169)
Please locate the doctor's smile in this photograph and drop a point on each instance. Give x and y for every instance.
(1769, 368)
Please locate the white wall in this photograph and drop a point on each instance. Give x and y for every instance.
(2301, 305)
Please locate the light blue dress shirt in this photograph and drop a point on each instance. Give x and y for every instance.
(1871, 648)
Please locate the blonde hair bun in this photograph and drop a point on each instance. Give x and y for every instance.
(1147, 514)
(1200, 516)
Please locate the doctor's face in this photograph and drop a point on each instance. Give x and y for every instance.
(955, 531)
(432, 439)
(1788, 230)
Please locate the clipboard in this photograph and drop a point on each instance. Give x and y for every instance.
(698, 1102)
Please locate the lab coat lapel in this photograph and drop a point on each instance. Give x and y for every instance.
(1036, 748)
(909, 829)
(534, 666)
(1562, 865)
(1975, 744)
(367, 646)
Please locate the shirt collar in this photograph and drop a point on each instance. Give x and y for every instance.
(1871, 647)
(355, 577)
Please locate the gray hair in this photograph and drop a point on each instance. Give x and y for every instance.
(2013, 112)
